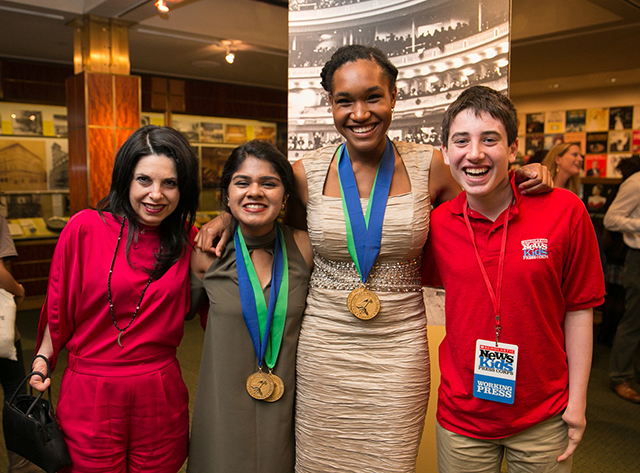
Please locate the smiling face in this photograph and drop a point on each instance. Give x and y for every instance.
(570, 163)
(153, 192)
(361, 104)
(256, 195)
(479, 154)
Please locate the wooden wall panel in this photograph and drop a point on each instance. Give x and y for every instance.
(78, 183)
(100, 160)
(99, 99)
(121, 136)
(127, 94)
(76, 112)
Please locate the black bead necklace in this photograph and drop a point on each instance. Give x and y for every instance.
(121, 330)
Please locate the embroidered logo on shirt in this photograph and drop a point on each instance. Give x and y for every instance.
(534, 249)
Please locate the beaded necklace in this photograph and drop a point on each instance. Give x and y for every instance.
(121, 330)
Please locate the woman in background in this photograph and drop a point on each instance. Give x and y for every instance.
(564, 161)
(239, 425)
(116, 299)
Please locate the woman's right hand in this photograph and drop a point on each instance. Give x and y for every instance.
(36, 382)
(219, 227)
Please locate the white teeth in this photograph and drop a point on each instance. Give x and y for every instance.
(363, 129)
(153, 207)
(476, 171)
(254, 206)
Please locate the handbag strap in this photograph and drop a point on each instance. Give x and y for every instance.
(26, 380)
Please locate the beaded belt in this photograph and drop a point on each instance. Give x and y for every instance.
(403, 276)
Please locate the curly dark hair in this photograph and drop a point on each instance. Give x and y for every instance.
(629, 166)
(174, 232)
(353, 53)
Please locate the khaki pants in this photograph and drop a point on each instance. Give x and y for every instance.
(534, 450)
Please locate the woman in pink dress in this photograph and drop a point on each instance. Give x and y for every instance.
(117, 296)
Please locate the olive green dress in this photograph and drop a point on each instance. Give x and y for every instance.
(232, 432)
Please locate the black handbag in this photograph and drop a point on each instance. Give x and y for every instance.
(31, 429)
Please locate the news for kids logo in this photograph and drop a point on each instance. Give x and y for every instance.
(535, 249)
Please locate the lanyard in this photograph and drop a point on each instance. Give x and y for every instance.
(494, 295)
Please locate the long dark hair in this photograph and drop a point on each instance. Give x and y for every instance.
(174, 230)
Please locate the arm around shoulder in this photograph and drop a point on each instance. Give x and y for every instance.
(442, 186)
(304, 245)
(296, 210)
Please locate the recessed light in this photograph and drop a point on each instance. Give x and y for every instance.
(554, 86)
(613, 80)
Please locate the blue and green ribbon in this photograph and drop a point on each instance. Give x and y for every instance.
(265, 324)
(364, 232)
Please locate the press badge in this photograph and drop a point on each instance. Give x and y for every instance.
(494, 376)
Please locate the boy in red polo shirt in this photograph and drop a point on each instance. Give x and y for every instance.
(521, 279)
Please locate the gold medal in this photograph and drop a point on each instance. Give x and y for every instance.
(278, 388)
(363, 303)
(260, 385)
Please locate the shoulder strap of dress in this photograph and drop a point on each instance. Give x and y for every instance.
(417, 161)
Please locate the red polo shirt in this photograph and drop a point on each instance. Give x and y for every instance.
(551, 267)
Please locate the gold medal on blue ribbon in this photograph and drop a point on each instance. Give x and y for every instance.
(364, 231)
(265, 324)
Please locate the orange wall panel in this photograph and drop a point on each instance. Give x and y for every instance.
(100, 159)
(127, 93)
(100, 99)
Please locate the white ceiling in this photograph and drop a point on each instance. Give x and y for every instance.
(576, 44)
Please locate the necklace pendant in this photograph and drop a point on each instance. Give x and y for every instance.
(120, 335)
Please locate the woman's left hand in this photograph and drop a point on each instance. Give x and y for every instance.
(534, 179)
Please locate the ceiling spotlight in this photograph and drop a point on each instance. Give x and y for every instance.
(230, 57)
(162, 6)
(613, 80)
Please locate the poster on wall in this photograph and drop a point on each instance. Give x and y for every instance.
(429, 43)
(551, 140)
(554, 122)
(635, 142)
(597, 142)
(211, 132)
(533, 143)
(597, 119)
(620, 118)
(235, 133)
(575, 120)
(619, 141)
(535, 123)
(188, 126)
(577, 137)
(636, 117)
(612, 164)
(595, 165)
(598, 198)
(19, 119)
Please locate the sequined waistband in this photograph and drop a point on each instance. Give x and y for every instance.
(403, 276)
